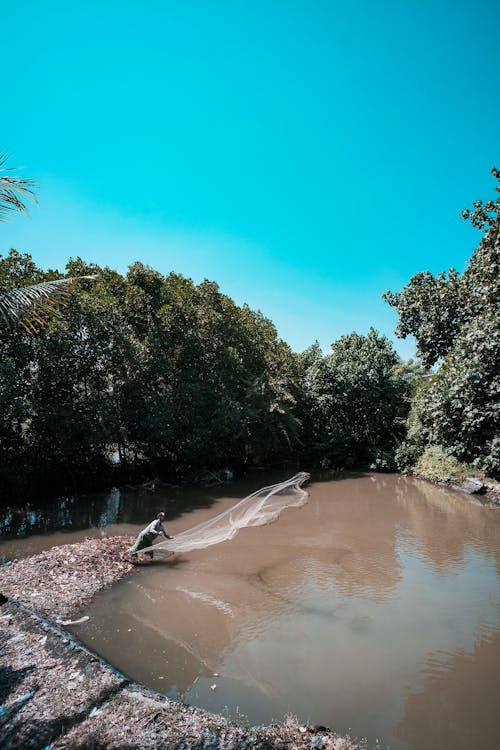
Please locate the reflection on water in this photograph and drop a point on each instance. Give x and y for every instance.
(28, 529)
(93, 511)
(469, 679)
(374, 608)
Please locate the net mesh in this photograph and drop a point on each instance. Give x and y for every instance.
(260, 508)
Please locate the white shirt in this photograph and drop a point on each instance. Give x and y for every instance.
(154, 528)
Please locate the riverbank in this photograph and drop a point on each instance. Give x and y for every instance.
(56, 693)
(436, 466)
(59, 582)
(486, 492)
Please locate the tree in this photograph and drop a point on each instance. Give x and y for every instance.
(462, 408)
(15, 191)
(172, 377)
(430, 308)
(455, 320)
(355, 402)
(30, 306)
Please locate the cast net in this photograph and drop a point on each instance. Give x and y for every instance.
(259, 508)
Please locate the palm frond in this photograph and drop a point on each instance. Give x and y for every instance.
(15, 191)
(32, 306)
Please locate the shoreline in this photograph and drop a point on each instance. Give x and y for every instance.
(58, 694)
(488, 496)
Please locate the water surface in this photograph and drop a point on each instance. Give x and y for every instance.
(373, 609)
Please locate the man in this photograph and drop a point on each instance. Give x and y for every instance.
(149, 534)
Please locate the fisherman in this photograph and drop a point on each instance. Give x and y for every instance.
(149, 534)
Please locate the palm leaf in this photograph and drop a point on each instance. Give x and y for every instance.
(31, 306)
(15, 191)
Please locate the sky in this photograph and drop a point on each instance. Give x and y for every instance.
(305, 155)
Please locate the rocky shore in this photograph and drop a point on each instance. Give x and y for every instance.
(55, 693)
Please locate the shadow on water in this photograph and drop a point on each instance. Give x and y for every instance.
(96, 511)
(170, 562)
(118, 507)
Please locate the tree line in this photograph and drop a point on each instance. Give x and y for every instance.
(151, 375)
(148, 375)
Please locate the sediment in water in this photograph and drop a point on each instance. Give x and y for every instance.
(56, 693)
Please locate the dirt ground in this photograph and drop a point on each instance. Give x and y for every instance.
(55, 694)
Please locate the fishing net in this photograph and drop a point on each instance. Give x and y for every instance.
(259, 508)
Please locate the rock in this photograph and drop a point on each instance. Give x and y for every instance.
(473, 486)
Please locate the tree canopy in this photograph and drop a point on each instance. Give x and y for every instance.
(152, 375)
(355, 401)
(146, 374)
(455, 320)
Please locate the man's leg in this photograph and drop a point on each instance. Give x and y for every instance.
(139, 543)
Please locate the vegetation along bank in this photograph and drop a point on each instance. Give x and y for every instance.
(149, 376)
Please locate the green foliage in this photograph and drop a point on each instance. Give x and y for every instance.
(355, 402)
(437, 466)
(456, 323)
(415, 442)
(170, 376)
(429, 308)
(175, 378)
(462, 408)
(15, 191)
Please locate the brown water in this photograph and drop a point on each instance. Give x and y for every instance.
(373, 609)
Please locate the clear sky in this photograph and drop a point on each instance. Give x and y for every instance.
(307, 155)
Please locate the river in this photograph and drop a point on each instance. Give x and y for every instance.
(373, 609)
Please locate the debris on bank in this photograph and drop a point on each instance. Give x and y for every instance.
(57, 694)
(59, 582)
(48, 684)
(486, 492)
(134, 719)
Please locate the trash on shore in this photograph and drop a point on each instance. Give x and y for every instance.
(73, 622)
(15, 704)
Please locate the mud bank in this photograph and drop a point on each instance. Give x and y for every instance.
(56, 693)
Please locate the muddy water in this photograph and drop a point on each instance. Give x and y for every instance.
(373, 609)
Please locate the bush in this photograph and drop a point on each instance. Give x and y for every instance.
(438, 466)
(407, 455)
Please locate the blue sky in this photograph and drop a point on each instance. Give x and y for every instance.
(307, 156)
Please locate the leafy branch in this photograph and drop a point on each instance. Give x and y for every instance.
(15, 191)
(30, 306)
